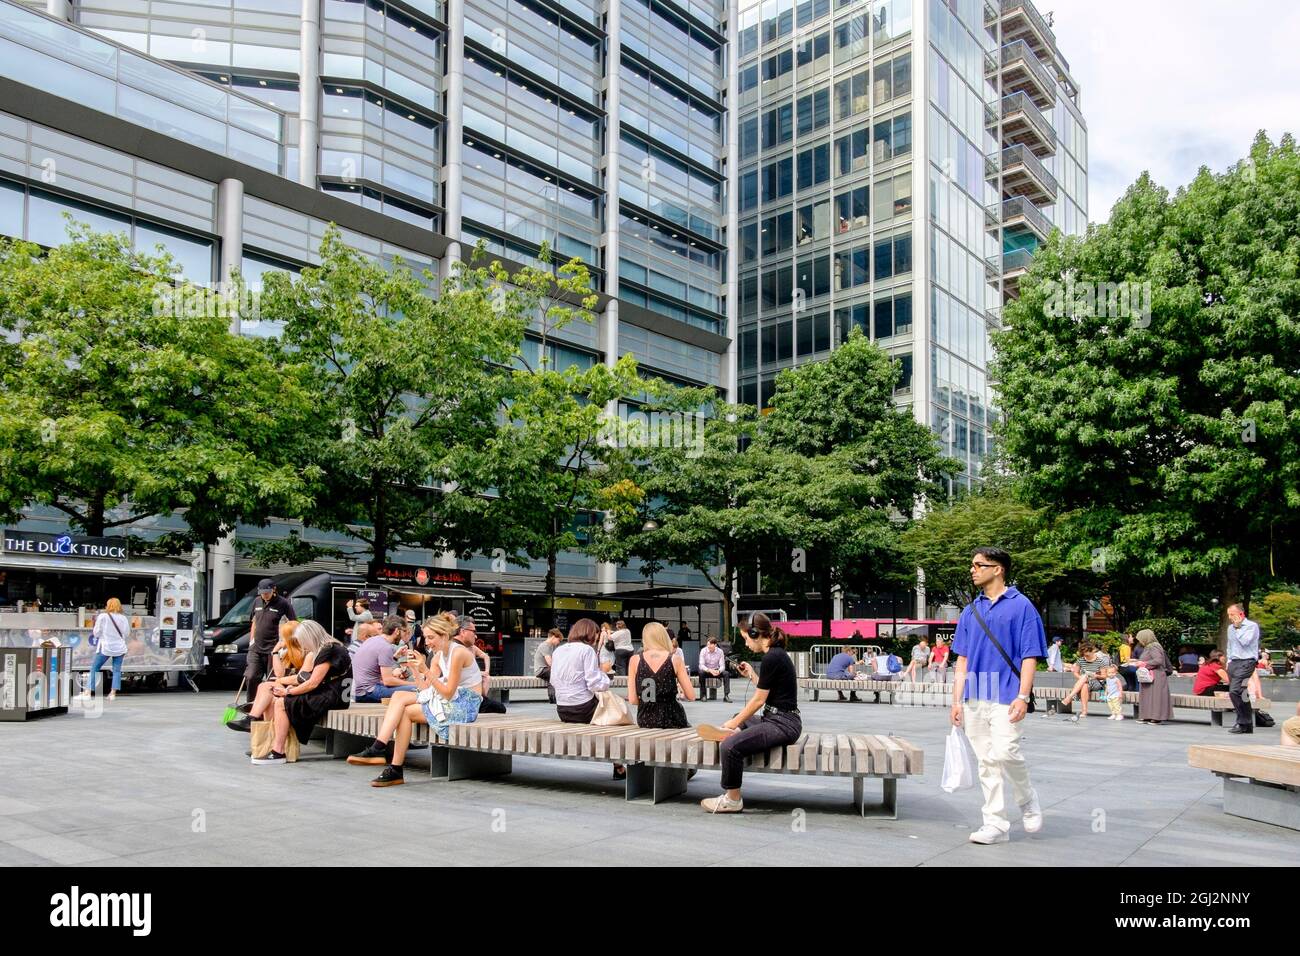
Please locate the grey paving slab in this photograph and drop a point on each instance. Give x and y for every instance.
(126, 788)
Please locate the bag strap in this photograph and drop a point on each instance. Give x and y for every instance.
(113, 620)
(1005, 656)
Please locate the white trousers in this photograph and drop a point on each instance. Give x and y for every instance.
(996, 742)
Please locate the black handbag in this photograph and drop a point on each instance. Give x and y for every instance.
(1264, 719)
(1032, 706)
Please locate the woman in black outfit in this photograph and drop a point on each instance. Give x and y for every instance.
(657, 675)
(745, 734)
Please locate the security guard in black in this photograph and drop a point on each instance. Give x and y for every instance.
(269, 609)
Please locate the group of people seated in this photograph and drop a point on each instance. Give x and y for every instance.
(928, 665)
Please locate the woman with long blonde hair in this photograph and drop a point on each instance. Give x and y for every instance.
(655, 676)
(111, 631)
(301, 701)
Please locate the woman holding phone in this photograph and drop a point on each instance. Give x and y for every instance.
(747, 733)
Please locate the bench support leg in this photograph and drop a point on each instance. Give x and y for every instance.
(639, 781)
(1264, 802)
(1216, 718)
(669, 782)
(342, 745)
(469, 764)
(887, 809)
(437, 761)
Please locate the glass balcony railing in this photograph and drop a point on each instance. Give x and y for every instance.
(75, 65)
(1018, 155)
(1019, 52)
(1021, 208)
(1039, 24)
(1020, 103)
(1016, 260)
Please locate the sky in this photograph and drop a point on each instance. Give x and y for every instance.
(1169, 86)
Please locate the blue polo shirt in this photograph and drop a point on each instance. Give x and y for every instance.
(838, 668)
(1015, 622)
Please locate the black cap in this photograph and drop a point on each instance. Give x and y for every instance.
(266, 584)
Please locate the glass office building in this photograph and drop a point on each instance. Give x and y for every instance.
(898, 162)
(234, 131)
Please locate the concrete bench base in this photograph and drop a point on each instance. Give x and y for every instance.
(1259, 782)
(1265, 802)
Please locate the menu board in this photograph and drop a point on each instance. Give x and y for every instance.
(185, 629)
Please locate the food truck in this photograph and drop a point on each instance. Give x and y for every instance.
(53, 585)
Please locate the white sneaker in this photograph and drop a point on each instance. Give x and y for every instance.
(1119, 716)
(1031, 815)
(84, 695)
(722, 804)
(988, 835)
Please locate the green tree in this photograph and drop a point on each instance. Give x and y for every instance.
(941, 544)
(851, 468)
(1278, 616)
(1168, 438)
(708, 503)
(408, 380)
(124, 396)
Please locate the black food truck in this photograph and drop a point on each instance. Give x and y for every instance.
(322, 596)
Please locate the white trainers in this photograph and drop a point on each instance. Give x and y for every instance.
(988, 835)
(722, 804)
(1031, 815)
(1119, 716)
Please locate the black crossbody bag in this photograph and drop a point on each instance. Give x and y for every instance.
(1007, 657)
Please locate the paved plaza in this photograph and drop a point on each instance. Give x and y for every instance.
(156, 780)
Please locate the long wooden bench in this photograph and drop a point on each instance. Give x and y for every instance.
(1259, 783)
(658, 761)
(941, 695)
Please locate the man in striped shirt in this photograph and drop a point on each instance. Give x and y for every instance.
(1088, 682)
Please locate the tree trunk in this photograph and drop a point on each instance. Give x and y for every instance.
(1229, 594)
(550, 574)
(95, 517)
(379, 549)
(728, 583)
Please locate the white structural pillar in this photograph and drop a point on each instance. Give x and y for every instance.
(606, 572)
(453, 171)
(733, 206)
(230, 230)
(309, 94)
(59, 8)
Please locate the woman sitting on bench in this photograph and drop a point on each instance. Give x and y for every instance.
(300, 704)
(746, 733)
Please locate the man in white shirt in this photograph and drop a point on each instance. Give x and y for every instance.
(623, 650)
(1243, 654)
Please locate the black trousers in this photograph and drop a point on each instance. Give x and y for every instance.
(724, 676)
(622, 656)
(756, 735)
(1212, 690)
(1129, 672)
(490, 705)
(1239, 672)
(577, 713)
(259, 662)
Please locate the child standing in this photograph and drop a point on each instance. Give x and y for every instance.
(1114, 693)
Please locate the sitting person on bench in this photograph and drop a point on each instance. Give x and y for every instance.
(468, 636)
(380, 750)
(299, 706)
(1087, 668)
(655, 676)
(843, 667)
(449, 694)
(378, 666)
(746, 733)
(1211, 677)
(713, 664)
(288, 660)
(542, 659)
(920, 659)
(576, 674)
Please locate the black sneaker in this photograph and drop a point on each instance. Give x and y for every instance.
(245, 708)
(243, 724)
(271, 758)
(1239, 729)
(376, 755)
(391, 777)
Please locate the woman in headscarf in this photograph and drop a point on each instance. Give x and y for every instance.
(1154, 704)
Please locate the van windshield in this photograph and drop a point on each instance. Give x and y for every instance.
(241, 613)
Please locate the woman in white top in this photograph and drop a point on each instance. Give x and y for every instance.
(449, 694)
(112, 628)
(577, 674)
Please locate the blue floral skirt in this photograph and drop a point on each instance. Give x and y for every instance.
(461, 709)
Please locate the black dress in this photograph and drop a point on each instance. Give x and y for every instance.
(306, 710)
(657, 692)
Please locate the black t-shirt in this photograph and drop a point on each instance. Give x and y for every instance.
(776, 676)
(266, 620)
(336, 656)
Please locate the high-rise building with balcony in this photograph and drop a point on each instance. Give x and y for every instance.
(898, 162)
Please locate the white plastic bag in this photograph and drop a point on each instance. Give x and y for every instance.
(958, 762)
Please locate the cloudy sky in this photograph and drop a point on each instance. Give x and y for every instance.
(1171, 85)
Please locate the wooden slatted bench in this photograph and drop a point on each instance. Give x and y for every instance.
(911, 692)
(658, 761)
(1259, 783)
(1217, 706)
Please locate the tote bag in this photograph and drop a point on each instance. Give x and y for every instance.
(611, 710)
(263, 739)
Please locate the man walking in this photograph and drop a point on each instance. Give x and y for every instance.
(1243, 653)
(999, 639)
(264, 632)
